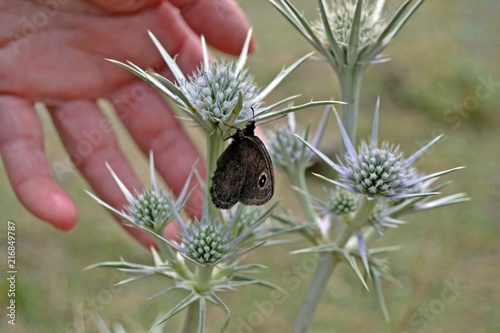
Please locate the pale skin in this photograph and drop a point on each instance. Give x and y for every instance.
(55, 54)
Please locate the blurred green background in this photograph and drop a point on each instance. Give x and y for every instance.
(439, 60)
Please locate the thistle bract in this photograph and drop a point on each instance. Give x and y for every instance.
(380, 218)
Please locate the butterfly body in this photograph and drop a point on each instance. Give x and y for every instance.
(244, 172)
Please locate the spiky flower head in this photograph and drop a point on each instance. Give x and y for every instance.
(341, 202)
(378, 172)
(219, 92)
(284, 147)
(150, 208)
(213, 239)
(206, 244)
(350, 33)
(246, 217)
(340, 18)
(214, 89)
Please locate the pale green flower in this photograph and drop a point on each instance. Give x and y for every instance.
(203, 260)
(340, 17)
(284, 147)
(151, 209)
(214, 90)
(219, 92)
(349, 33)
(374, 171)
(341, 202)
(206, 243)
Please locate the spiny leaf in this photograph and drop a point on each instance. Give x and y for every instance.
(192, 297)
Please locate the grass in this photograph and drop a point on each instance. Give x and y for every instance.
(439, 61)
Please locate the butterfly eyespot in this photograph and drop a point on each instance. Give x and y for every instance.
(262, 180)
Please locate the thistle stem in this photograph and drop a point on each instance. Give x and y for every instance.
(319, 280)
(203, 277)
(191, 321)
(215, 147)
(179, 266)
(315, 290)
(350, 87)
(366, 207)
(297, 177)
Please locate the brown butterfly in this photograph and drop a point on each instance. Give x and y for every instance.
(244, 172)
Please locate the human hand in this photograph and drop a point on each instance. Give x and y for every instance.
(54, 52)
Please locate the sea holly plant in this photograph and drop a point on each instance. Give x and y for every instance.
(375, 184)
(206, 257)
(374, 187)
(350, 35)
(220, 96)
(203, 261)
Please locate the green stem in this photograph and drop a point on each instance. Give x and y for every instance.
(191, 321)
(315, 290)
(326, 266)
(324, 269)
(297, 177)
(366, 207)
(350, 87)
(215, 147)
(179, 266)
(204, 277)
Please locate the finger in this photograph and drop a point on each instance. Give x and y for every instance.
(89, 140)
(154, 128)
(22, 149)
(124, 6)
(222, 22)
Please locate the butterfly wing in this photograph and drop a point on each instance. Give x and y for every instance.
(259, 181)
(229, 177)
